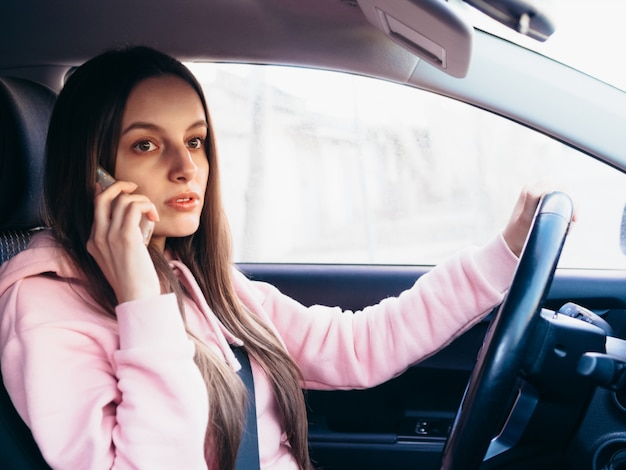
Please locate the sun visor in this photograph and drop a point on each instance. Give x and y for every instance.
(431, 29)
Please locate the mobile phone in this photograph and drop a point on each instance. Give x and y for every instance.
(105, 180)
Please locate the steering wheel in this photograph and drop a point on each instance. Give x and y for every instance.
(501, 357)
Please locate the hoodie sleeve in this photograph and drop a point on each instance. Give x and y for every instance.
(344, 349)
(97, 400)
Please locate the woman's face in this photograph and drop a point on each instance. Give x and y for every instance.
(161, 149)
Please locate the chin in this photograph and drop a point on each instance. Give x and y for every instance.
(182, 233)
(179, 230)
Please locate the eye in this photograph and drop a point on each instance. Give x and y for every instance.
(195, 142)
(144, 146)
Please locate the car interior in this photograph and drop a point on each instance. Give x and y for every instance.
(25, 109)
(541, 382)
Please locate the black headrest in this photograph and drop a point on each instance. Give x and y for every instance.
(25, 109)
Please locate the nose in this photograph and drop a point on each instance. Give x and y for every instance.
(182, 168)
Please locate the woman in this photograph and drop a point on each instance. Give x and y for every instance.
(118, 355)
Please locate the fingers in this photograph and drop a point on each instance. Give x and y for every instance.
(534, 193)
(118, 213)
(127, 212)
(117, 243)
(516, 231)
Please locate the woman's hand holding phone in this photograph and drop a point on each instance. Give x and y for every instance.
(117, 245)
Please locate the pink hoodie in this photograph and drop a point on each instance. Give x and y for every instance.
(100, 394)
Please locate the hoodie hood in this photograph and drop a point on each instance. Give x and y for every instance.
(43, 255)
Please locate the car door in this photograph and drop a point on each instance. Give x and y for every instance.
(404, 422)
(347, 195)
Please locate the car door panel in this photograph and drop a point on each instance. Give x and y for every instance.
(403, 423)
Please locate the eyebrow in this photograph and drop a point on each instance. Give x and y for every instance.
(154, 127)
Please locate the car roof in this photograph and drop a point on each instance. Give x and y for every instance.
(43, 39)
(329, 33)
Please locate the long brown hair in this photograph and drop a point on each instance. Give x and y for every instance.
(84, 133)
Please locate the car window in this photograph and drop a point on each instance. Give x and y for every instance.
(325, 167)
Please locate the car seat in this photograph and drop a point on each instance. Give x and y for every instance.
(25, 109)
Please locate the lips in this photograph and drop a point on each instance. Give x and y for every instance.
(184, 202)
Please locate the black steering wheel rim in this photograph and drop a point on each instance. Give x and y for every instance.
(500, 360)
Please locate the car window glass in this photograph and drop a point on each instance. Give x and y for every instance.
(324, 167)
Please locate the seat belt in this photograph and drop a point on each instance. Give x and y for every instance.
(248, 453)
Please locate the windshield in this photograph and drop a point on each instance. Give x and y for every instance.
(588, 36)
